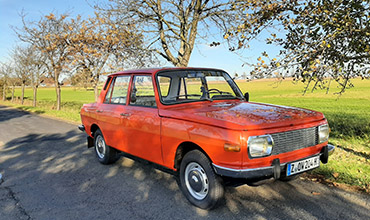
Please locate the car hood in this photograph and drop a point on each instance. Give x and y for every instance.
(241, 115)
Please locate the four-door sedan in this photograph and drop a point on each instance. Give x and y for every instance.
(197, 122)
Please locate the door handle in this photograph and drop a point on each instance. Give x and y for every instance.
(99, 111)
(125, 114)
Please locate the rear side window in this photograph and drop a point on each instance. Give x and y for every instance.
(142, 92)
(117, 93)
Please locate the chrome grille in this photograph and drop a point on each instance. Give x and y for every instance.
(294, 140)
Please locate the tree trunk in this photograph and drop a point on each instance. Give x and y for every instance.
(327, 89)
(96, 92)
(58, 92)
(182, 63)
(34, 96)
(13, 89)
(57, 87)
(4, 92)
(22, 96)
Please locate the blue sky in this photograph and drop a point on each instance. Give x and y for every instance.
(203, 55)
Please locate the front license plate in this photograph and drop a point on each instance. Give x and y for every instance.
(302, 165)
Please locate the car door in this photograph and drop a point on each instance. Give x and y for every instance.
(143, 122)
(111, 113)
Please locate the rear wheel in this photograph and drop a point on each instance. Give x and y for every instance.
(199, 183)
(104, 153)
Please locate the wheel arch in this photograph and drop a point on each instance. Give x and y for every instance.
(93, 129)
(183, 149)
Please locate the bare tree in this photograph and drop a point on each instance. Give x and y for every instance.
(13, 80)
(5, 71)
(99, 45)
(173, 26)
(37, 72)
(21, 58)
(30, 67)
(9, 79)
(49, 36)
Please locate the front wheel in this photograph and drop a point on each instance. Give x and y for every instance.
(104, 153)
(199, 183)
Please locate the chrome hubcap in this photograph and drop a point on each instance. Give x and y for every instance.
(100, 146)
(196, 180)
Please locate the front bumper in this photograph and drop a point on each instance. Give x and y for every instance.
(275, 170)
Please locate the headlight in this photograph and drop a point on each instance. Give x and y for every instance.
(323, 133)
(260, 146)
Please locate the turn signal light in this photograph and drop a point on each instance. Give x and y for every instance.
(231, 148)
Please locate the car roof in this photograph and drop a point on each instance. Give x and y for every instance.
(156, 70)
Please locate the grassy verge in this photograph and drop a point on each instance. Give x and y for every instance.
(348, 116)
(72, 101)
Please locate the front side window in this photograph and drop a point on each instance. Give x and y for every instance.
(117, 93)
(142, 92)
(196, 85)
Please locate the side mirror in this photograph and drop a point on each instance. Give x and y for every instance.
(246, 96)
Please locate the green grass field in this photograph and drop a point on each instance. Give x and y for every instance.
(72, 100)
(348, 116)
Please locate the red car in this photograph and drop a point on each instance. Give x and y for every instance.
(197, 122)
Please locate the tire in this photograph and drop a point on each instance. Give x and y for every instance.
(198, 182)
(104, 153)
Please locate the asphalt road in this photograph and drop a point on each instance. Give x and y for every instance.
(48, 173)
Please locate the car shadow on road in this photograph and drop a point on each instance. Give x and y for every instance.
(56, 175)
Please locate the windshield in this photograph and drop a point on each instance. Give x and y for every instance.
(196, 85)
